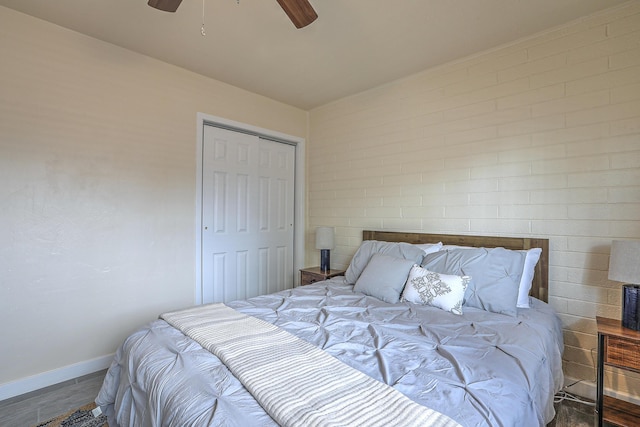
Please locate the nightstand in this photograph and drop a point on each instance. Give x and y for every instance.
(618, 347)
(314, 274)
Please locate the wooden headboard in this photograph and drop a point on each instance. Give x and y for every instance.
(540, 285)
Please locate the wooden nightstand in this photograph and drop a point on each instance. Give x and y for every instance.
(619, 347)
(314, 274)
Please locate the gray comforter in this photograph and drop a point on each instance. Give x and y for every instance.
(481, 369)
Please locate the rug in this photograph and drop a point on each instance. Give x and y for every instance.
(81, 417)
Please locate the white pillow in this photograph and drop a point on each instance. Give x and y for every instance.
(445, 291)
(448, 247)
(530, 261)
(429, 248)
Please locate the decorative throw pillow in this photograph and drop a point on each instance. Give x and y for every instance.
(370, 247)
(445, 291)
(384, 277)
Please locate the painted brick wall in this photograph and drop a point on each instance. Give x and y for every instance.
(537, 138)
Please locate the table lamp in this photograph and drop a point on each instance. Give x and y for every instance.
(324, 242)
(624, 266)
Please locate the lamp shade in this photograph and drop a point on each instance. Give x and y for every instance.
(324, 237)
(624, 261)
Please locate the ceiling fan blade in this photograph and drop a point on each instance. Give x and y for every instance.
(166, 5)
(300, 12)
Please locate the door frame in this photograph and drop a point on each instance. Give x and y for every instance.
(299, 191)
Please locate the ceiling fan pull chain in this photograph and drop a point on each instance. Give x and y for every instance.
(202, 31)
(202, 28)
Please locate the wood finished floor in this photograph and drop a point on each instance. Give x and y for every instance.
(41, 405)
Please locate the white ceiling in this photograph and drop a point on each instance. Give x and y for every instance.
(354, 45)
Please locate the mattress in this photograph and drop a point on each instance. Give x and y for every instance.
(480, 368)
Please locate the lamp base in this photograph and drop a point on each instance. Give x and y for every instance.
(631, 307)
(325, 260)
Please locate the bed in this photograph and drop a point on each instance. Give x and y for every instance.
(472, 355)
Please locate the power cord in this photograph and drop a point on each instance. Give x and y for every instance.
(563, 395)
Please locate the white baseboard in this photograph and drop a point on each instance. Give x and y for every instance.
(588, 389)
(45, 379)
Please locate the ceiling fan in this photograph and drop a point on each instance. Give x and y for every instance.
(300, 12)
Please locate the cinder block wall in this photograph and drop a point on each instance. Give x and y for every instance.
(537, 138)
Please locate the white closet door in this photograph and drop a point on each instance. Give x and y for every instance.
(247, 215)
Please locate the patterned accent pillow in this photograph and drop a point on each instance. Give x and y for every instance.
(445, 291)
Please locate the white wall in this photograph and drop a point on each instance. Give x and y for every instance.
(537, 138)
(97, 193)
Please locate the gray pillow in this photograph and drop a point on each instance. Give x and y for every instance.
(495, 272)
(384, 277)
(370, 247)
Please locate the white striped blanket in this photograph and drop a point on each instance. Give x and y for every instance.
(297, 383)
